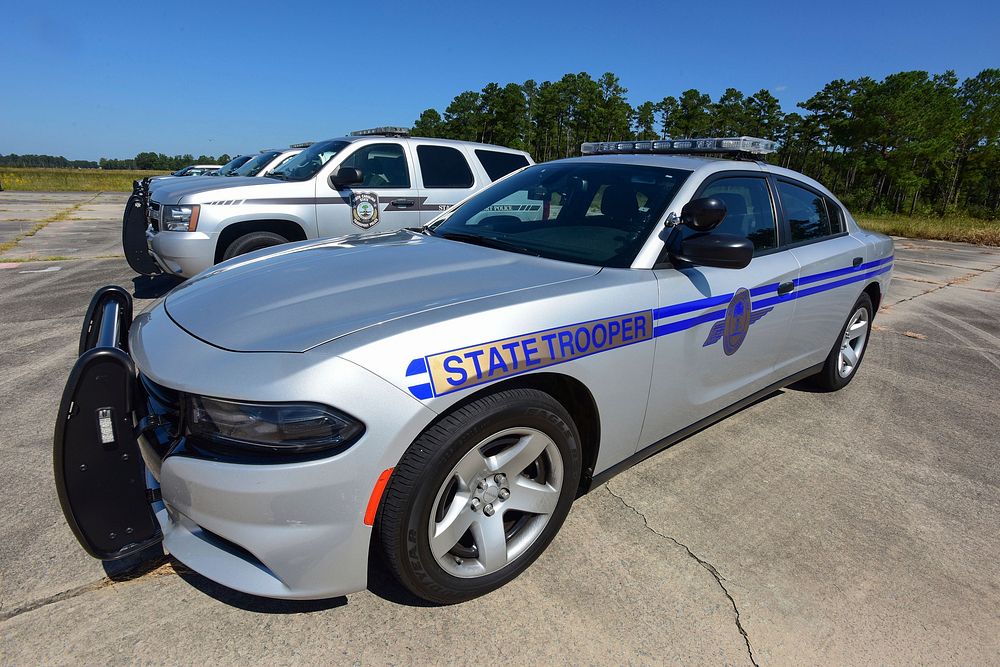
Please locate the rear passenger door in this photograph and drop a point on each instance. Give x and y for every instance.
(445, 178)
(832, 263)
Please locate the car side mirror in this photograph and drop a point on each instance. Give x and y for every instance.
(703, 214)
(724, 251)
(346, 176)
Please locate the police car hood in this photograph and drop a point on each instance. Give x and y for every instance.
(314, 292)
(203, 189)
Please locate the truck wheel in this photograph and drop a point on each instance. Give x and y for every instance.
(842, 363)
(253, 241)
(479, 495)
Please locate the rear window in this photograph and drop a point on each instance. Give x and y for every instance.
(444, 167)
(498, 164)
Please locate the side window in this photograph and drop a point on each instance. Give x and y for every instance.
(749, 212)
(443, 167)
(837, 223)
(381, 165)
(806, 212)
(498, 164)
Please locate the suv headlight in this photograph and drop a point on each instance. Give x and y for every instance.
(183, 218)
(292, 428)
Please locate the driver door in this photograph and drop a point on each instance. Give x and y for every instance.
(386, 199)
(719, 332)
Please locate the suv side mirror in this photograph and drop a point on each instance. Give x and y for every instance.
(725, 251)
(704, 214)
(346, 176)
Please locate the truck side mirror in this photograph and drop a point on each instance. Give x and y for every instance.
(346, 176)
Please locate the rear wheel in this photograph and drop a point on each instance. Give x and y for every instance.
(845, 357)
(479, 495)
(253, 241)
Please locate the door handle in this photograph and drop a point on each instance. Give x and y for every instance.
(785, 288)
(857, 261)
(402, 203)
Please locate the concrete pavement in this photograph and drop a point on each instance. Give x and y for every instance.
(847, 528)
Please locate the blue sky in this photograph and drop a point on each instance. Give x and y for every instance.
(92, 79)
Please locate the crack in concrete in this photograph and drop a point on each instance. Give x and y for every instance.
(155, 567)
(703, 563)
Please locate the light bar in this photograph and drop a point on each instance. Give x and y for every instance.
(382, 131)
(680, 146)
(304, 144)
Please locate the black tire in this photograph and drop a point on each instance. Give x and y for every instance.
(830, 378)
(405, 512)
(253, 241)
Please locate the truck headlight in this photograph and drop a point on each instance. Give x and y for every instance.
(292, 428)
(183, 218)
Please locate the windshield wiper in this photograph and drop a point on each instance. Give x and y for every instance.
(485, 241)
(274, 174)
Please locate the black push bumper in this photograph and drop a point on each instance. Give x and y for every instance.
(99, 472)
(134, 223)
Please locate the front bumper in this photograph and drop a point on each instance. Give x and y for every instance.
(288, 530)
(181, 253)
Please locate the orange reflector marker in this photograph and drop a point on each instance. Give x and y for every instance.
(373, 502)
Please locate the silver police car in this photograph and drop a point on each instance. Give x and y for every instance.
(441, 394)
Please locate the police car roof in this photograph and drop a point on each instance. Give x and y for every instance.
(434, 140)
(696, 163)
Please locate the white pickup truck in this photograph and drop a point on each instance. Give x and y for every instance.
(379, 179)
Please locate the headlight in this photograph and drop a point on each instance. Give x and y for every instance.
(293, 428)
(182, 218)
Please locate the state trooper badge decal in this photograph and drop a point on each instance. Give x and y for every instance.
(732, 330)
(364, 209)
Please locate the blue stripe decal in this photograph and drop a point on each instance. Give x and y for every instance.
(421, 391)
(821, 288)
(700, 304)
(840, 272)
(681, 325)
(416, 367)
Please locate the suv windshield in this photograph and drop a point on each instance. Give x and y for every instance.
(229, 169)
(584, 212)
(253, 167)
(304, 166)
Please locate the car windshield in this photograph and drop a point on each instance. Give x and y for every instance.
(583, 212)
(306, 164)
(181, 172)
(253, 166)
(229, 169)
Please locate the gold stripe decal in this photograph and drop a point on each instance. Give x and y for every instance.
(488, 362)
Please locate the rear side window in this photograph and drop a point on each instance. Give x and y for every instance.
(498, 164)
(805, 211)
(444, 167)
(749, 212)
(837, 223)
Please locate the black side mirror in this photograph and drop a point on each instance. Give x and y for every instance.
(346, 176)
(725, 251)
(704, 214)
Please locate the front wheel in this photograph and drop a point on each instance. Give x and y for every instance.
(479, 495)
(845, 357)
(253, 241)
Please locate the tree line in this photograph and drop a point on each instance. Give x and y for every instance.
(912, 142)
(147, 160)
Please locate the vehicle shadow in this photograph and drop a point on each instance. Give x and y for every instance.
(153, 287)
(152, 559)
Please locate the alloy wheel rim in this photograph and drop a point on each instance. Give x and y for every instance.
(495, 502)
(853, 343)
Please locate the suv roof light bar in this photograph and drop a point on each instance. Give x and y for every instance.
(730, 145)
(389, 131)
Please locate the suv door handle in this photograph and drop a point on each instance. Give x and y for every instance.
(857, 261)
(402, 203)
(785, 288)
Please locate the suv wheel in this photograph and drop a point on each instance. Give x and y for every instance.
(479, 495)
(253, 241)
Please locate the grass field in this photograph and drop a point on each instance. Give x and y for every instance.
(70, 180)
(952, 228)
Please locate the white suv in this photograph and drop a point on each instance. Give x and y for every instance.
(374, 180)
